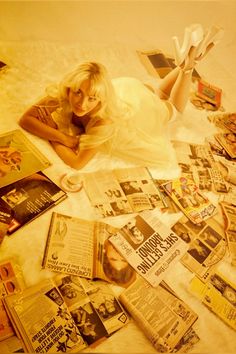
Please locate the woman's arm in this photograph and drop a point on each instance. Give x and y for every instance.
(74, 159)
(38, 121)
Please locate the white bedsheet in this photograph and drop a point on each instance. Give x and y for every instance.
(31, 67)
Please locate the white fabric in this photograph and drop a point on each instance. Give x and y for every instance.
(138, 132)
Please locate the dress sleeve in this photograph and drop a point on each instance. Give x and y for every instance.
(97, 133)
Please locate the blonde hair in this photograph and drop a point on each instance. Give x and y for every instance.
(100, 87)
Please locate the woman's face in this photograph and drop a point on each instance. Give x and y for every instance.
(115, 259)
(81, 101)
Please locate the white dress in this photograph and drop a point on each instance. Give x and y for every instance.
(139, 133)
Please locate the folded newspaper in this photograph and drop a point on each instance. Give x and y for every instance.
(149, 246)
(165, 319)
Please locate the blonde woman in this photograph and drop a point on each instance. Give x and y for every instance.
(121, 117)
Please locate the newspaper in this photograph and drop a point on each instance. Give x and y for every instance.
(216, 148)
(219, 295)
(225, 121)
(228, 141)
(189, 199)
(81, 247)
(229, 212)
(122, 191)
(197, 163)
(206, 245)
(160, 313)
(149, 246)
(19, 158)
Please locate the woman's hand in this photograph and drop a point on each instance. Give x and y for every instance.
(70, 141)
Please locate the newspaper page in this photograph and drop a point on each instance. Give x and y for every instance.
(197, 163)
(140, 189)
(219, 295)
(216, 148)
(229, 211)
(190, 200)
(163, 317)
(206, 245)
(81, 247)
(70, 246)
(43, 320)
(228, 141)
(149, 246)
(93, 306)
(105, 194)
(11, 345)
(19, 158)
(225, 121)
(122, 191)
(11, 282)
(106, 304)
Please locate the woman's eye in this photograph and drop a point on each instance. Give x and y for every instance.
(92, 99)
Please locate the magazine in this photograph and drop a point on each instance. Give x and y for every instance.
(93, 302)
(228, 141)
(165, 319)
(19, 157)
(81, 247)
(206, 245)
(57, 315)
(216, 148)
(11, 345)
(28, 198)
(190, 200)
(149, 246)
(5, 220)
(219, 295)
(159, 64)
(225, 121)
(229, 211)
(197, 163)
(122, 191)
(11, 282)
(209, 93)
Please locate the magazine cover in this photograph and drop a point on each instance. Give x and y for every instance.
(28, 198)
(19, 158)
(190, 200)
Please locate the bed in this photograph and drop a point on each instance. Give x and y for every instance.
(33, 65)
